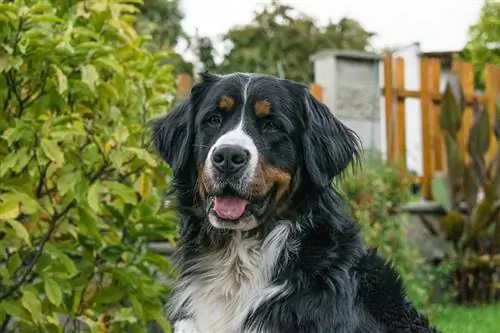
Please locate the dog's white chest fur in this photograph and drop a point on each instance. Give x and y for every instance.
(222, 288)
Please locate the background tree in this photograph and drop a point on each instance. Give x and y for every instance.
(276, 37)
(162, 21)
(483, 46)
(206, 54)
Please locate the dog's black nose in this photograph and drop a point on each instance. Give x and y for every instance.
(230, 158)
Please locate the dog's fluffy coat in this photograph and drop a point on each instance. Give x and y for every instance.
(295, 262)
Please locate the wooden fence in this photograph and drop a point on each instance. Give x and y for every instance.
(430, 103)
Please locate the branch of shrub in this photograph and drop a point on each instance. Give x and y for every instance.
(7, 99)
(5, 323)
(11, 83)
(7, 75)
(124, 176)
(41, 181)
(53, 226)
(81, 308)
(40, 86)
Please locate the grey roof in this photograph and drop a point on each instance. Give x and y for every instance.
(359, 55)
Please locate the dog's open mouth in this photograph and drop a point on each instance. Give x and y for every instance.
(231, 207)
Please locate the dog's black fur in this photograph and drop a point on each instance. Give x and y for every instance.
(333, 283)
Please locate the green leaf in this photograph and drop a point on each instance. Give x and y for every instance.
(93, 196)
(66, 182)
(162, 322)
(31, 303)
(62, 79)
(20, 231)
(53, 291)
(88, 223)
(136, 305)
(125, 315)
(23, 157)
(113, 252)
(16, 310)
(58, 255)
(110, 64)
(14, 263)
(52, 151)
(123, 191)
(89, 76)
(109, 295)
(9, 210)
(69, 265)
(143, 155)
(28, 205)
(441, 191)
(450, 119)
(159, 261)
(143, 185)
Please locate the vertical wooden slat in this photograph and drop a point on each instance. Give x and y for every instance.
(389, 102)
(491, 95)
(184, 83)
(425, 102)
(498, 79)
(437, 135)
(467, 82)
(400, 135)
(317, 91)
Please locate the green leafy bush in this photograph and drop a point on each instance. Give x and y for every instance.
(79, 192)
(374, 194)
(469, 193)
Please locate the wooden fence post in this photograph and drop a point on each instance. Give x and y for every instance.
(184, 82)
(317, 91)
(437, 135)
(491, 93)
(400, 137)
(425, 101)
(389, 102)
(466, 74)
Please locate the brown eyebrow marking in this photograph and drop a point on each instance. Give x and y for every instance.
(262, 108)
(226, 103)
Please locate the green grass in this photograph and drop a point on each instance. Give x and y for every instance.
(454, 319)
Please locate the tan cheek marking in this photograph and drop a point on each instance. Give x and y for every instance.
(226, 103)
(269, 176)
(262, 108)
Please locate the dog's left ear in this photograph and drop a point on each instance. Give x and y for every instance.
(173, 135)
(328, 145)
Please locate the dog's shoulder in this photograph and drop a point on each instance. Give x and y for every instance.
(382, 293)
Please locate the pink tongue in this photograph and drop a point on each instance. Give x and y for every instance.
(229, 208)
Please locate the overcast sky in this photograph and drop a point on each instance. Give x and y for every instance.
(436, 24)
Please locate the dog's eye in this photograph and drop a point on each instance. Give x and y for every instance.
(269, 126)
(215, 120)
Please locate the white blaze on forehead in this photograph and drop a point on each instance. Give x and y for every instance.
(238, 136)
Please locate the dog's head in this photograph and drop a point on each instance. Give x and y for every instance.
(246, 144)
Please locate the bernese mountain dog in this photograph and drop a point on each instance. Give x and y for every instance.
(266, 243)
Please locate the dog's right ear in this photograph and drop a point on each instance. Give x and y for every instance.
(173, 134)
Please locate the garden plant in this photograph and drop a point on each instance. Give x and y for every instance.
(80, 194)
